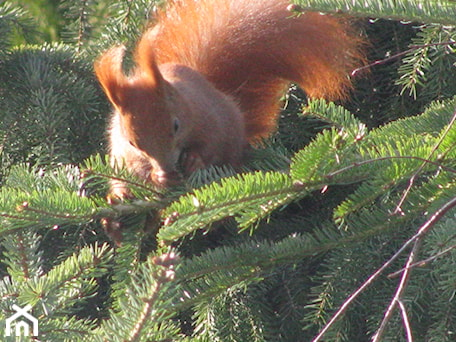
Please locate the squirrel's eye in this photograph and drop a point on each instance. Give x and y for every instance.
(176, 125)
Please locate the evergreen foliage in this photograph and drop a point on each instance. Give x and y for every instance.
(322, 234)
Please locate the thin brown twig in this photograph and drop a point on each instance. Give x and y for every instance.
(422, 262)
(399, 292)
(398, 55)
(408, 329)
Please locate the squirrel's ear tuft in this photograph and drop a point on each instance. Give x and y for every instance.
(108, 69)
(146, 60)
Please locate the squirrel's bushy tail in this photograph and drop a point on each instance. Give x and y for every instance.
(252, 49)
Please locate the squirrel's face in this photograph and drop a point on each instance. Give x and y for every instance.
(150, 111)
(152, 123)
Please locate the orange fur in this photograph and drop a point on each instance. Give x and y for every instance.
(208, 79)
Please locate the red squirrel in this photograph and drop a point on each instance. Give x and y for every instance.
(208, 78)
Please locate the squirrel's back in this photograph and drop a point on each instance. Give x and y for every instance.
(251, 50)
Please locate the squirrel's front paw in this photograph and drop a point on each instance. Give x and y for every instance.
(118, 192)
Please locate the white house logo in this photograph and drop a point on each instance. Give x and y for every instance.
(21, 320)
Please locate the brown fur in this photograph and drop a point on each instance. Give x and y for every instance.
(216, 69)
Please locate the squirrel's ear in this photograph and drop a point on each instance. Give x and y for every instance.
(108, 69)
(146, 60)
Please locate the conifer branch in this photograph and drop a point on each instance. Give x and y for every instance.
(88, 173)
(436, 11)
(25, 207)
(421, 167)
(14, 18)
(370, 161)
(23, 258)
(421, 231)
(18, 217)
(162, 276)
(81, 28)
(399, 55)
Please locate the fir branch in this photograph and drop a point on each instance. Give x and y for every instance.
(380, 159)
(438, 215)
(127, 20)
(22, 256)
(248, 197)
(163, 276)
(54, 106)
(35, 212)
(429, 67)
(14, 20)
(127, 261)
(429, 123)
(436, 11)
(215, 271)
(337, 116)
(389, 142)
(144, 312)
(398, 55)
(408, 267)
(23, 263)
(68, 329)
(50, 209)
(326, 152)
(89, 175)
(78, 270)
(18, 217)
(420, 169)
(85, 4)
(78, 26)
(97, 172)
